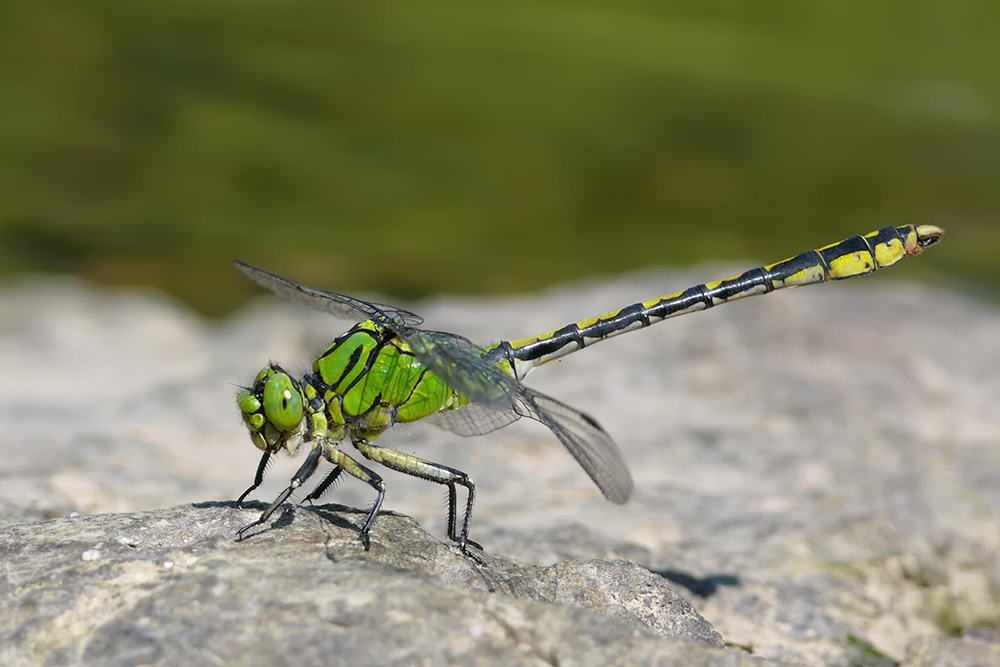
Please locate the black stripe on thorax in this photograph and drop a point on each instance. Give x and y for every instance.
(346, 336)
(399, 343)
(370, 359)
(349, 366)
(413, 388)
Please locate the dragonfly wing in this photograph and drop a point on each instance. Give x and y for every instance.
(460, 363)
(589, 444)
(474, 419)
(340, 305)
(499, 399)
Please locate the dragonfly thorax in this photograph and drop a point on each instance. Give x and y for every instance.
(370, 378)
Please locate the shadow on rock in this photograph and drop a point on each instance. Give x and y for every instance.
(703, 587)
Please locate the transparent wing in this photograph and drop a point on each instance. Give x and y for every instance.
(589, 444)
(474, 419)
(499, 399)
(460, 363)
(453, 358)
(331, 302)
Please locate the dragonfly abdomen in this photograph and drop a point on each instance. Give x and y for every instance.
(852, 257)
(536, 350)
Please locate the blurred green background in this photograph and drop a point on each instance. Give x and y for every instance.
(410, 148)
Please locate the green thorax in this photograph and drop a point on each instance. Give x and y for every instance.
(370, 370)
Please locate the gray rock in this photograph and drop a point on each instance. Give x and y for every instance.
(172, 587)
(816, 471)
(971, 650)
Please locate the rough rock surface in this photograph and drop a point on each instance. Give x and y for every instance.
(817, 472)
(173, 587)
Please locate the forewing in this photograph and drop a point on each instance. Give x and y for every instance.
(340, 305)
(589, 444)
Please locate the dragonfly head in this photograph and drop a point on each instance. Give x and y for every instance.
(272, 409)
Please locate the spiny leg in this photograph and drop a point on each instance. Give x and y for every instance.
(369, 477)
(324, 485)
(257, 478)
(434, 472)
(304, 472)
(342, 462)
(452, 512)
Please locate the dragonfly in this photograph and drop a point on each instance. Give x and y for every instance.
(388, 370)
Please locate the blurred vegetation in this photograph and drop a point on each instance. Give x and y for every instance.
(416, 147)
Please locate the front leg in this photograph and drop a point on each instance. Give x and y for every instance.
(343, 462)
(257, 478)
(325, 447)
(304, 472)
(318, 432)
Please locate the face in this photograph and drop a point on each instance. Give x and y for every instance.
(272, 408)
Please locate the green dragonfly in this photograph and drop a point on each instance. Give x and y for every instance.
(387, 370)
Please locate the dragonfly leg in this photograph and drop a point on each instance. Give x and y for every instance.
(355, 469)
(257, 478)
(342, 462)
(452, 512)
(324, 485)
(434, 472)
(304, 472)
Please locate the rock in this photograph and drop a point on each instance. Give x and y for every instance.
(173, 587)
(971, 650)
(817, 473)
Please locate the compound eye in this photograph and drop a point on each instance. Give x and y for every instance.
(282, 402)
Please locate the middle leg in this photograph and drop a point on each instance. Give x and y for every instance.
(433, 472)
